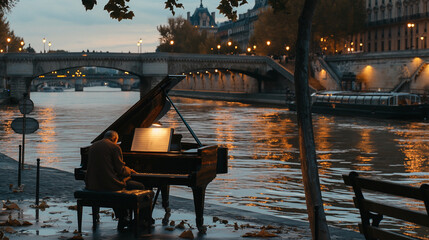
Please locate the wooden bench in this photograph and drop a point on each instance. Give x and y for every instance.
(372, 212)
(135, 200)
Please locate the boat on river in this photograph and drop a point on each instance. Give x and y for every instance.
(391, 105)
(51, 89)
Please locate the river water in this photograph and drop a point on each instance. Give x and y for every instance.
(264, 169)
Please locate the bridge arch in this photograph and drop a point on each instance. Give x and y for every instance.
(20, 68)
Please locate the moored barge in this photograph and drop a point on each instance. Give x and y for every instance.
(389, 105)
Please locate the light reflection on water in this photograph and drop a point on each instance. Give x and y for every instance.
(264, 169)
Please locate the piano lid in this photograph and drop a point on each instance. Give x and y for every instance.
(146, 111)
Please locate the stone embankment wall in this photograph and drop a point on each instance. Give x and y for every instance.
(219, 81)
(374, 71)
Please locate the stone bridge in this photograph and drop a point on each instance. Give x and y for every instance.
(17, 70)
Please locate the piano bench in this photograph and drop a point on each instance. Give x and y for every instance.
(135, 200)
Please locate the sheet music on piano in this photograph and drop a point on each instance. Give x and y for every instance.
(152, 139)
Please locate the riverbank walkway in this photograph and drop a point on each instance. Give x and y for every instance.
(59, 219)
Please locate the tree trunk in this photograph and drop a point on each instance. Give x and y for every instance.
(313, 196)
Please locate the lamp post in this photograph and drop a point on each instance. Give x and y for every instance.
(268, 47)
(44, 43)
(7, 44)
(49, 44)
(411, 26)
(218, 49)
(229, 43)
(22, 46)
(172, 45)
(287, 54)
(140, 45)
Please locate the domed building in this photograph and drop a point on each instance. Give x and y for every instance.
(203, 20)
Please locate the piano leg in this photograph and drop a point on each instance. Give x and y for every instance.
(165, 194)
(199, 195)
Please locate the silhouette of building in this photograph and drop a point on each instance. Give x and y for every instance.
(203, 20)
(241, 31)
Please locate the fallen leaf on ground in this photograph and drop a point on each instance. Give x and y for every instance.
(187, 234)
(63, 231)
(236, 226)
(169, 228)
(26, 223)
(268, 227)
(107, 212)
(11, 222)
(261, 233)
(172, 223)
(181, 225)
(46, 226)
(41, 206)
(9, 230)
(224, 221)
(215, 219)
(10, 205)
(72, 207)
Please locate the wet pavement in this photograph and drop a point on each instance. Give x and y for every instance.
(58, 220)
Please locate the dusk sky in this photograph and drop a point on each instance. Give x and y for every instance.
(67, 25)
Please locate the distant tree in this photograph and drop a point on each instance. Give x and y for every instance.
(280, 33)
(186, 38)
(325, 24)
(119, 9)
(5, 33)
(7, 5)
(328, 26)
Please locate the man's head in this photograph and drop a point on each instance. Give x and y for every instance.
(112, 136)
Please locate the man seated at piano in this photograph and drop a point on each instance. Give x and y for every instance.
(107, 171)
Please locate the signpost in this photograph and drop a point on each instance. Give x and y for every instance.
(25, 125)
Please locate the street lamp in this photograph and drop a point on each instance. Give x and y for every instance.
(44, 42)
(7, 44)
(172, 45)
(287, 54)
(138, 47)
(268, 44)
(141, 43)
(49, 44)
(411, 26)
(218, 48)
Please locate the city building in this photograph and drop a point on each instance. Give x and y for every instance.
(392, 25)
(241, 31)
(203, 20)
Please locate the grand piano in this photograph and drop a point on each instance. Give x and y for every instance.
(189, 164)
